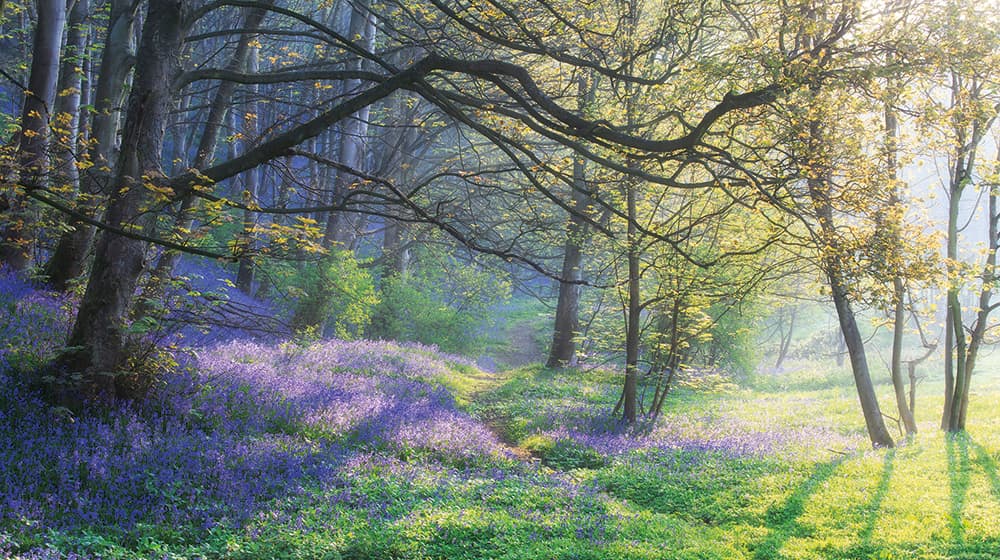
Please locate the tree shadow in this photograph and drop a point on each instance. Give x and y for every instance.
(989, 466)
(783, 520)
(865, 547)
(874, 505)
(957, 448)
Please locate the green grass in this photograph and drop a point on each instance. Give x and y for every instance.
(935, 497)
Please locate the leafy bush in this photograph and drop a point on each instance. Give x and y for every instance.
(445, 304)
(332, 296)
(563, 454)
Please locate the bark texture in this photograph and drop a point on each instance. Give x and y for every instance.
(16, 235)
(96, 347)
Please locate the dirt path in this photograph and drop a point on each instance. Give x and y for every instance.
(520, 348)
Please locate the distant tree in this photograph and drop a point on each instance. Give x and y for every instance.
(97, 161)
(32, 158)
(960, 108)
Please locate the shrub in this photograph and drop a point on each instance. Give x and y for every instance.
(445, 304)
(333, 296)
(563, 454)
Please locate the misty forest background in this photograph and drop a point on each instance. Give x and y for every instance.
(505, 279)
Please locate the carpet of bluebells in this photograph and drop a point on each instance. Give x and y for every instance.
(372, 449)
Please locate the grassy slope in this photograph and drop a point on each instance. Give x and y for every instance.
(936, 497)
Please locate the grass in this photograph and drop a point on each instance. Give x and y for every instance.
(817, 493)
(935, 496)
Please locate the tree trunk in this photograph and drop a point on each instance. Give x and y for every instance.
(786, 340)
(877, 431)
(960, 404)
(354, 131)
(96, 346)
(67, 262)
(184, 219)
(955, 342)
(15, 234)
(949, 368)
(251, 183)
(896, 366)
(67, 103)
(630, 390)
(567, 323)
(894, 227)
(818, 172)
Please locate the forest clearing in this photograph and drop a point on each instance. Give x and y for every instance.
(394, 450)
(678, 279)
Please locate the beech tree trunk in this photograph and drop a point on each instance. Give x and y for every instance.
(206, 152)
(966, 349)
(68, 259)
(818, 171)
(785, 342)
(16, 235)
(898, 286)
(251, 183)
(896, 365)
(960, 401)
(955, 341)
(354, 130)
(68, 95)
(96, 347)
(630, 391)
(877, 431)
(562, 353)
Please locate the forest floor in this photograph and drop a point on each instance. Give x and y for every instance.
(384, 450)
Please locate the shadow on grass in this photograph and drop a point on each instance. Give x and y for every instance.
(865, 547)
(989, 466)
(783, 521)
(957, 448)
(875, 504)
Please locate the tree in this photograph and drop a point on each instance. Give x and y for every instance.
(961, 107)
(98, 160)
(562, 351)
(818, 151)
(96, 344)
(502, 91)
(33, 139)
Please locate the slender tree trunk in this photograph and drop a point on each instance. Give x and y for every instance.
(896, 366)
(67, 262)
(395, 248)
(96, 347)
(630, 390)
(354, 131)
(841, 347)
(894, 227)
(567, 321)
(184, 219)
(562, 353)
(251, 183)
(818, 172)
(949, 368)
(16, 235)
(67, 103)
(86, 85)
(877, 431)
(960, 404)
(786, 340)
(955, 342)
